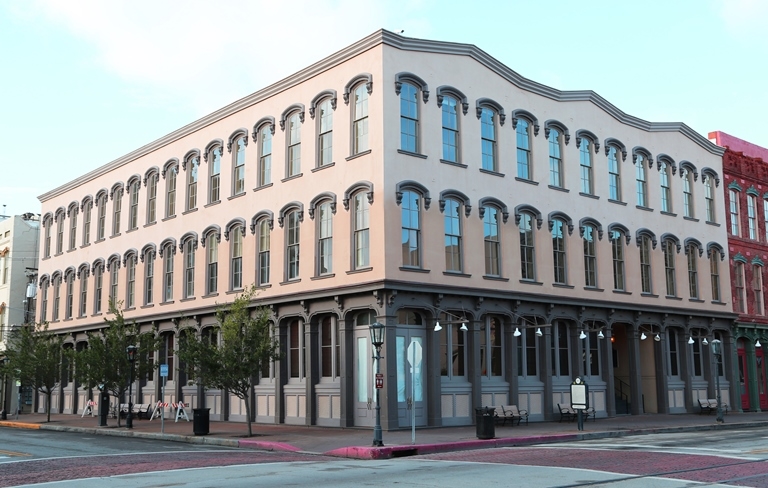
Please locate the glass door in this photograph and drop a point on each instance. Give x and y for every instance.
(364, 380)
(743, 378)
(411, 361)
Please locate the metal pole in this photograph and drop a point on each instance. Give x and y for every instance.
(413, 396)
(5, 397)
(377, 437)
(129, 418)
(162, 409)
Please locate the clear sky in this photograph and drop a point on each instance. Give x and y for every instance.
(84, 82)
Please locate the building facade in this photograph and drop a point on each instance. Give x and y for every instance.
(521, 235)
(746, 199)
(19, 244)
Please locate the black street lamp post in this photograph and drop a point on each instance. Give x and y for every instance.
(377, 339)
(717, 351)
(131, 351)
(4, 416)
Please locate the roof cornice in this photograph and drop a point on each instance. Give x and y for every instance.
(407, 44)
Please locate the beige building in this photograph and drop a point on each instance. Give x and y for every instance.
(426, 186)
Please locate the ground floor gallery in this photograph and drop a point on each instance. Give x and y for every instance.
(474, 351)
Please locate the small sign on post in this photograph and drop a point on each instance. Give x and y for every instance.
(163, 370)
(579, 399)
(379, 380)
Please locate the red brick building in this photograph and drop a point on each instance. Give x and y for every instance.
(745, 173)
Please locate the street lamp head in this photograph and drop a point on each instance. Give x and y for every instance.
(377, 334)
(717, 347)
(131, 351)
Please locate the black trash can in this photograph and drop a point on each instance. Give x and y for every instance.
(201, 421)
(484, 418)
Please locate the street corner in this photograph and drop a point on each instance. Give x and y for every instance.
(268, 446)
(19, 425)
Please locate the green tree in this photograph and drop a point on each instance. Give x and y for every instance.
(35, 357)
(104, 363)
(234, 362)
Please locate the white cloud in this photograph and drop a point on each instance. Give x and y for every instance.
(210, 53)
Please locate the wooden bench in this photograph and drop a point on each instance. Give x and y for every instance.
(512, 412)
(709, 405)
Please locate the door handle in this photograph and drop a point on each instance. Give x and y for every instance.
(409, 402)
(369, 403)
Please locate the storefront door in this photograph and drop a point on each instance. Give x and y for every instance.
(743, 378)
(410, 384)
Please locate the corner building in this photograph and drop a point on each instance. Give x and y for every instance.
(413, 183)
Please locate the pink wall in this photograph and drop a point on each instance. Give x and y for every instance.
(735, 144)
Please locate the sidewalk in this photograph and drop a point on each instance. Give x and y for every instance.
(355, 443)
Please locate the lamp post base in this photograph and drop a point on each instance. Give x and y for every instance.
(377, 437)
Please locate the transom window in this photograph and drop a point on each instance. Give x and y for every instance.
(492, 348)
(453, 349)
(527, 353)
(560, 350)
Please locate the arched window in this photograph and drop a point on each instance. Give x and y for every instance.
(82, 274)
(527, 247)
(614, 148)
(188, 246)
(148, 256)
(47, 224)
(69, 304)
(692, 253)
(235, 233)
(56, 280)
(325, 208)
(641, 158)
(587, 143)
(734, 193)
(618, 236)
(291, 121)
(60, 215)
(210, 239)
(361, 229)
(192, 165)
(589, 236)
(87, 207)
(45, 281)
(524, 122)
(238, 141)
(167, 252)
(687, 176)
(150, 182)
(212, 156)
(752, 195)
(262, 135)
(130, 280)
(113, 266)
(664, 179)
(488, 111)
(739, 299)
(453, 235)
(410, 196)
(492, 347)
(492, 248)
(559, 263)
(133, 185)
(262, 250)
(555, 133)
(409, 118)
(291, 215)
(449, 99)
(101, 215)
(170, 173)
(325, 108)
(757, 288)
(709, 198)
(98, 285)
(646, 241)
(670, 245)
(359, 87)
(117, 208)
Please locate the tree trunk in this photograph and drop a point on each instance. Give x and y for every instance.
(248, 414)
(48, 404)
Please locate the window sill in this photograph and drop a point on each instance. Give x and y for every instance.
(360, 154)
(617, 202)
(709, 222)
(413, 270)
(264, 286)
(189, 211)
(262, 187)
(692, 219)
(292, 177)
(70, 250)
(69, 319)
(241, 194)
(97, 314)
(648, 295)
(360, 270)
(696, 300)
(562, 285)
(414, 154)
(531, 282)
(671, 297)
(128, 309)
(671, 214)
(131, 230)
(525, 180)
(97, 241)
(322, 277)
(188, 299)
(169, 218)
(457, 273)
(491, 172)
(211, 295)
(558, 188)
(325, 166)
(640, 207)
(453, 163)
(169, 302)
(85, 245)
(622, 292)
(212, 204)
(589, 195)
(234, 292)
(112, 236)
(593, 288)
(48, 257)
(494, 278)
(290, 282)
(717, 302)
(149, 305)
(150, 224)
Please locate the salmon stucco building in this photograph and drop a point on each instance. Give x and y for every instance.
(520, 234)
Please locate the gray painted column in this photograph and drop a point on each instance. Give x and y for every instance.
(607, 372)
(545, 358)
(510, 362)
(730, 370)
(388, 394)
(346, 375)
(662, 373)
(635, 372)
(685, 353)
(433, 377)
(751, 372)
(474, 368)
(281, 374)
(312, 361)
